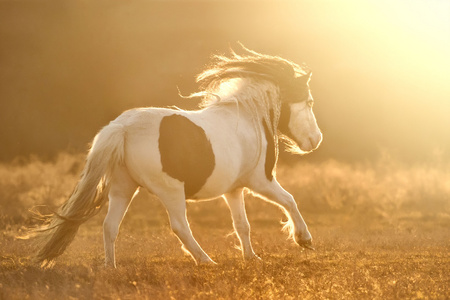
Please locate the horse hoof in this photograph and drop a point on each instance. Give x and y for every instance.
(209, 262)
(307, 245)
(110, 266)
(254, 258)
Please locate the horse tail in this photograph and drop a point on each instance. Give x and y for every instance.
(88, 197)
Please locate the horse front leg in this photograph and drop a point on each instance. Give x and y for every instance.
(235, 201)
(273, 192)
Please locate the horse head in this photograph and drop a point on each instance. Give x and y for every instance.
(298, 124)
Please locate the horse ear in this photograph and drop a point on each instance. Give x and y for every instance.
(309, 74)
(304, 79)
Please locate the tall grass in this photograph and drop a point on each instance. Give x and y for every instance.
(25, 184)
(385, 190)
(380, 229)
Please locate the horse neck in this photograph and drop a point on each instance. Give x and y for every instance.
(254, 111)
(258, 98)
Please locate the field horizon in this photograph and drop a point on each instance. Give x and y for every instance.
(381, 231)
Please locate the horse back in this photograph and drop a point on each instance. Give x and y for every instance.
(201, 151)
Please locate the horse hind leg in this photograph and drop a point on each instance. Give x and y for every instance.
(235, 201)
(122, 191)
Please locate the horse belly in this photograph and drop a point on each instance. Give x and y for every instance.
(226, 174)
(218, 183)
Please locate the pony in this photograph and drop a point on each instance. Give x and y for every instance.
(250, 102)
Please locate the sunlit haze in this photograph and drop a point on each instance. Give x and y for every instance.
(380, 68)
(99, 200)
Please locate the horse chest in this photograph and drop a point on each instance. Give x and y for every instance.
(186, 152)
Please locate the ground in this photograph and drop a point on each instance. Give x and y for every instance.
(381, 231)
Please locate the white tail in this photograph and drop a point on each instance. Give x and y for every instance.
(89, 196)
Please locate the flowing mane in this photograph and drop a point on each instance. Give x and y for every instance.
(258, 82)
(280, 71)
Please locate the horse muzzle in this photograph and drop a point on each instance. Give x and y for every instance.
(312, 143)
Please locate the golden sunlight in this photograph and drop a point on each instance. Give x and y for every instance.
(372, 198)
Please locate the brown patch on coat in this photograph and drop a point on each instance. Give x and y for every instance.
(186, 152)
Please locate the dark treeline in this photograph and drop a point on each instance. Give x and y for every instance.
(67, 68)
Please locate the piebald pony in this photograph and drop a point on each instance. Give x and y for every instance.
(250, 102)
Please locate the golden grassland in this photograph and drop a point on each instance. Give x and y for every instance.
(381, 230)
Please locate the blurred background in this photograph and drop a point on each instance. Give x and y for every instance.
(381, 69)
(375, 195)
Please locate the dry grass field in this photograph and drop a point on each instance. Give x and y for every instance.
(381, 230)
